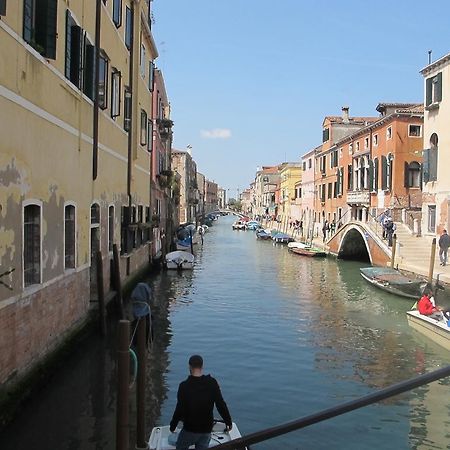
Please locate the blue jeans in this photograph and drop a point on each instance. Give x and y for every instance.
(188, 438)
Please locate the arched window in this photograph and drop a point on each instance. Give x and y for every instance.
(412, 174)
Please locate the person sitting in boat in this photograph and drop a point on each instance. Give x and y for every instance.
(427, 307)
(196, 398)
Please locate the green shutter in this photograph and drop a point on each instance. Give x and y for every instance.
(75, 52)
(45, 21)
(406, 176)
(429, 91)
(349, 178)
(2, 7)
(438, 87)
(391, 173)
(383, 172)
(370, 175)
(89, 70)
(426, 165)
(51, 31)
(375, 174)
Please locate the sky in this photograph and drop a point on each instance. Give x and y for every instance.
(250, 81)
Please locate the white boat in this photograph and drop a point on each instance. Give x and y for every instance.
(179, 260)
(297, 245)
(435, 329)
(162, 439)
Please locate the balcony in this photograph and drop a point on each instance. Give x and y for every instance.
(358, 197)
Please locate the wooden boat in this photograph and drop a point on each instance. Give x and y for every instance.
(263, 234)
(162, 439)
(308, 251)
(296, 244)
(179, 260)
(393, 281)
(282, 238)
(436, 330)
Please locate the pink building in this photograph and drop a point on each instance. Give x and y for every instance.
(307, 192)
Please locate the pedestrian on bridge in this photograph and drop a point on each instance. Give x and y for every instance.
(444, 244)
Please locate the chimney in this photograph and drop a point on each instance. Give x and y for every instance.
(345, 116)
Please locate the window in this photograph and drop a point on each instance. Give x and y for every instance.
(341, 152)
(350, 149)
(350, 177)
(151, 76)
(69, 237)
(117, 13)
(309, 163)
(433, 90)
(335, 190)
(148, 222)
(375, 140)
(412, 174)
(304, 165)
(140, 232)
(366, 143)
(330, 190)
(103, 81)
(73, 51)
(110, 228)
(431, 218)
(415, 131)
(39, 25)
(150, 135)
(143, 127)
(325, 134)
(430, 160)
(142, 61)
(375, 175)
(128, 28)
(88, 71)
(125, 233)
(116, 79)
(387, 170)
(31, 245)
(127, 110)
(357, 146)
(389, 133)
(2, 7)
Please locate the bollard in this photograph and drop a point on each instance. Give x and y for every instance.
(394, 248)
(101, 294)
(117, 280)
(123, 376)
(432, 258)
(140, 386)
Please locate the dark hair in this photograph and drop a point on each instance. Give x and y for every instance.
(196, 361)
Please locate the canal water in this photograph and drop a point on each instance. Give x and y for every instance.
(286, 336)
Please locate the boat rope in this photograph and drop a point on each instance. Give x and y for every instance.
(134, 332)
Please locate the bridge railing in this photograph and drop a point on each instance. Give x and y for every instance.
(377, 396)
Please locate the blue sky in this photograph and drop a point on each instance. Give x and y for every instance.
(250, 81)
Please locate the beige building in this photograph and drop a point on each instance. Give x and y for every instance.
(436, 139)
(290, 176)
(75, 167)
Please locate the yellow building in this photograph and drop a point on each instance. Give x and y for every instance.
(290, 176)
(74, 173)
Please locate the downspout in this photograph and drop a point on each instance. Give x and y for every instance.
(98, 12)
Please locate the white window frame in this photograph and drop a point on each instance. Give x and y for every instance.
(116, 87)
(414, 125)
(375, 140)
(68, 269)
(389, 133)
(142, 60)
(366, 143)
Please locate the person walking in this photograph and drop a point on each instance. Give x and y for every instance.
(444, 244)
(196, 398)
(390, 229)
(325, 229)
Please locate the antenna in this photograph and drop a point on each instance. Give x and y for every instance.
(429, 56)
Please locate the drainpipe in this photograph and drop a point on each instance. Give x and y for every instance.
(98, 15)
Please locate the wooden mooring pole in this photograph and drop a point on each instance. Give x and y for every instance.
(123, 374)
(101, 294)
(140, 387)
(432, 258)
(394, 248)
(117, 281)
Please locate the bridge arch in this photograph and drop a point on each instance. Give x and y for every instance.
(353, 244)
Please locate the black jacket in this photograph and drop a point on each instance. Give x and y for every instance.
(444, 241)
(195, 404)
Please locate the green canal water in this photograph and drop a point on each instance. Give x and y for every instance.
(285, 336)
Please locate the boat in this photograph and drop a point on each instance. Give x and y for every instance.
(308, 251)
(162, 439)
(238, 225)
(393, 281)
(282, 238)
(179, 260)
(263, 234)
(435, 329)
(252, 225)
(296, 244)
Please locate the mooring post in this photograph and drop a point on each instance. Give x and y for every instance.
(140, 387)
(394, 247)
(432, 258)
(117, 281)
(192, 243)
(123, 375)
(101, 294)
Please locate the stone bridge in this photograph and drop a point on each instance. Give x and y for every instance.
(359, 241)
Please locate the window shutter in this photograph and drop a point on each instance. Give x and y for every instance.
(406, 175)
(391, 173)
(375, 170)
(383, 172)
(28, 13)
(438, 95)
(151, 76)
(75, 49)
(426, 166)
(429, 91)
(2, 7)
(89, 71)
(432, 159)
(46, 32)
(68, 42)
(349, 178)
(370, 184)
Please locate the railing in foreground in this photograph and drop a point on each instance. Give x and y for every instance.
(320, 416)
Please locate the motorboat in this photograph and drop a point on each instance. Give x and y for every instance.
(282, 238)
(179, 260)
(263, 234)
(252, 225)
(238, 225)
(162, 439)
(393, 281)
(437, 330)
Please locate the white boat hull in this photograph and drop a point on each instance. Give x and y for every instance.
(297, 245)
(162, 439)
(436, 330)
(179, 260)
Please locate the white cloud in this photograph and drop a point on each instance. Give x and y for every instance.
(216, 133)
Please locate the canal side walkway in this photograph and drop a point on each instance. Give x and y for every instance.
(412, 254)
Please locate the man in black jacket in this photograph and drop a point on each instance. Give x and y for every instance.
(196, 398)
(444, 244)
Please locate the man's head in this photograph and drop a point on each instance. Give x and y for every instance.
(195, 364)
(444, 231)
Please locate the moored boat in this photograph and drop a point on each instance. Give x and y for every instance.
(263, 234)
(282, 238)
(435, 329)
(162, 439)
(393, 281)
(179, 260)
(308, 251)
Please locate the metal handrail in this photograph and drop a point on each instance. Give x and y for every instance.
(335, 411)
